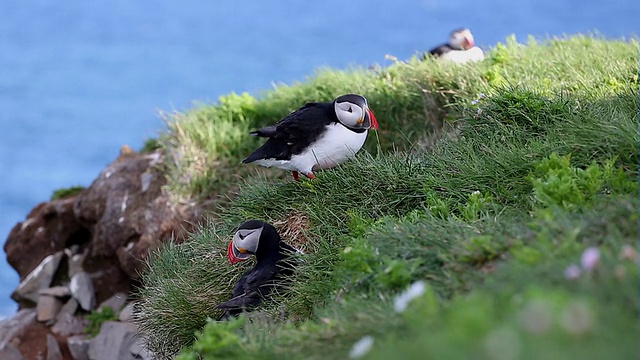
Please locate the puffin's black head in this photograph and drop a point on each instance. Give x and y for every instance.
(353, 112)
(253, 237)
(461, 39)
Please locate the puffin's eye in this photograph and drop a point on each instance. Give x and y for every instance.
(350, 109)
(241, 236)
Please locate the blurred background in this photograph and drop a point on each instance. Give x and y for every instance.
(79, 79)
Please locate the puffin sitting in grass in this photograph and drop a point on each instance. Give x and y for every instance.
(316, 136)
(261, 240)
(459, 48)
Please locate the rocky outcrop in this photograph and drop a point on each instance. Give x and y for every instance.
(128, 213)
(74, 253)
(49, 228)
(56, 328)
(110, 227)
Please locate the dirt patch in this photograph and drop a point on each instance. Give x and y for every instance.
(293, 230)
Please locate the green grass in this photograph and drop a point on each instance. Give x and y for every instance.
(66, 192)
(97, 318)
(413, 101)
(489, 213)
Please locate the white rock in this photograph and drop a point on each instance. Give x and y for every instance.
(57, 291)
(40, 278)
(82, 290)
(48, 307)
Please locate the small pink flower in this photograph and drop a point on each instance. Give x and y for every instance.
(628, 253)
(590, 258)
(572, 272)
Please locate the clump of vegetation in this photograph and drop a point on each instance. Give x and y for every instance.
(66, 192)
(515, 238)
(97, 318)
(150, 145)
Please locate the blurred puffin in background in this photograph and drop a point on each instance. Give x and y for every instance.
(316, 136)
(459, 49)
(259, 239)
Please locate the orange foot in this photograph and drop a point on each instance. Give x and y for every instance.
(310, 175)
(295, 175)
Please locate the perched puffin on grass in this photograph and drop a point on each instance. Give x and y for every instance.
(316, 136)
(261, 240)
(459, 49)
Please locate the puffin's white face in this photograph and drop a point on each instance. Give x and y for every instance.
(244, 244)
(461, 39)
(350, 114)
(353, 112)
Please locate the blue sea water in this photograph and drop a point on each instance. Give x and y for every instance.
(78, 79)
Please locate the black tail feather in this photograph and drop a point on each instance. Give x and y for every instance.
(271, 149)
(267, 131)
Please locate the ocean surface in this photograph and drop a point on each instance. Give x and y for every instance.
(78, 79)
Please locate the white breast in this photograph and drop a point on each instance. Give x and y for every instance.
(334, 147)
(462, 56)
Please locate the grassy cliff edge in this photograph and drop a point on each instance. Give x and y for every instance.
(503, 193)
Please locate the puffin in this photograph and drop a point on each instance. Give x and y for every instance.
(319, 135)
(273, 265)
(459, 48)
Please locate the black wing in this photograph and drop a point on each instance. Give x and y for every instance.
(293, 133)
(440, 50)
(251, 289)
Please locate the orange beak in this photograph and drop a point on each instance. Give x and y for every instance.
(374, 122)
(233, 259)
(468, 43)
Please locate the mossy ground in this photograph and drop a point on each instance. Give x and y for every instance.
(488, 213)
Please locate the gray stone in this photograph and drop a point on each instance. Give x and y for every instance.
(114, 342)
(115, 302)
(75, 263)
(53, 349)
(38, 279)
(48, 307)
(57, 291)
(9, 352)
(82, 290)
(79, 347)
(126, 314)
(138, 350)
(70, 307)
(67, 324)
(14, 326)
